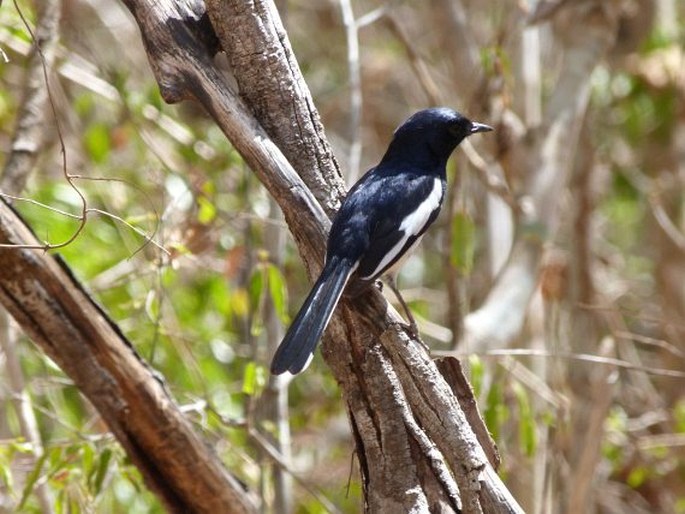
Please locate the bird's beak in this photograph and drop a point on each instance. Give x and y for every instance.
(479, 127)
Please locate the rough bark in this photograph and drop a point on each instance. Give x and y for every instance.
(416, 448)
(52, 308)
(261, 57)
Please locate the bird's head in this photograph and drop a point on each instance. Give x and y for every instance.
(435, 132)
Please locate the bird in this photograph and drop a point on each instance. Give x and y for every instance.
(382, 218)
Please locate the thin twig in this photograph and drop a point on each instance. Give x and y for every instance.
(491, 175)
(417, 62)
(275, 456)
(585, 357)
(354, 71)
(650, 341)
(665, 222)
(63, 149)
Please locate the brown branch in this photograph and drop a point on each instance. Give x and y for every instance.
(257, 46)
(59, 316)
(29, 138)
(353, 350)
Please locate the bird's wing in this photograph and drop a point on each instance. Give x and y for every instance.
(400, 222)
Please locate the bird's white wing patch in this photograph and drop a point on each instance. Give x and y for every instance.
(413, 225)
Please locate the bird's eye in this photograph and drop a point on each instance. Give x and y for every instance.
(455, 130)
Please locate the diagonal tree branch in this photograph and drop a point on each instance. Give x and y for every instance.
(364, 340)
(52, 308)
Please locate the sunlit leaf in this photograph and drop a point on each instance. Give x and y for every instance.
(6, 476)
(637, 477)
(97, 142)
(527, 432)
(278, 292)
(254, 379)
(206, 210)
(87, 457)
(463, 242)
(496, 411)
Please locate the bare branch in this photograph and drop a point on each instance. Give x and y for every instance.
(32, 132)
(354, 72)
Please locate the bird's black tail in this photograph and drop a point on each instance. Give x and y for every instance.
(297, 348)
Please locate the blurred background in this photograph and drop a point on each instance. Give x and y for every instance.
(556, 271)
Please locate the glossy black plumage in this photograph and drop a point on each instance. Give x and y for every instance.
(382, 217)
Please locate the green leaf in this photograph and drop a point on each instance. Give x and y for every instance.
(97, 142)
(679, 416)
(103, 466)
(87, 457)
(463, 242)
(256, 288)
(21, 446)
(256, 293)
(254, 379)
(496, 411)
(206, 210)
(31, 480)
(6, 476)
(278, 292)
(527, 433)
(637, 477)
(477, 372)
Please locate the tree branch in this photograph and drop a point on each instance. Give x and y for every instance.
(52, 308)
(271, 84)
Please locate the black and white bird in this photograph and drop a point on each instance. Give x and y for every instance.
(381, 219)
